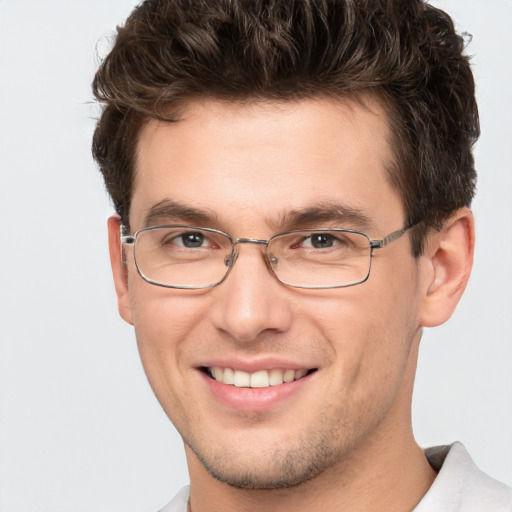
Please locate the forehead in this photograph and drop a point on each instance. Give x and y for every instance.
(261, 160)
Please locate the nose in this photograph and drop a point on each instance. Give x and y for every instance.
(251, 301)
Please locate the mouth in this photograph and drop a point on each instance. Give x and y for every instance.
(258, 379)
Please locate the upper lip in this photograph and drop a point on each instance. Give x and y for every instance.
(254, 365)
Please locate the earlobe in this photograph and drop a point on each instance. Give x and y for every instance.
(119, 270)
(449, 258)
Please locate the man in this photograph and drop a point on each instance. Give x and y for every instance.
(292, 181)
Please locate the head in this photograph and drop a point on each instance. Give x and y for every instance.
(258, 117)
(406, 54)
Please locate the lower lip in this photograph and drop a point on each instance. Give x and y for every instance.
(253, 400)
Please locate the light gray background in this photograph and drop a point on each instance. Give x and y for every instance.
(80, 428)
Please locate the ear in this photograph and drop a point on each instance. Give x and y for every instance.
(119, 269)
(449, 258)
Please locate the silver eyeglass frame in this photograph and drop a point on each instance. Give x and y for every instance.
(130, 239)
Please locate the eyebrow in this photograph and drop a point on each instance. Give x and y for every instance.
(343, 215)
(168, 211)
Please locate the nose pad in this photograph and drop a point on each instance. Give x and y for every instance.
(272, 263)
(273, 260)
(230, 259)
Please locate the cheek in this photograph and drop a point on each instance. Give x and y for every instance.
(370, 331)
(163, 314)
(163, 323)
(163, 320)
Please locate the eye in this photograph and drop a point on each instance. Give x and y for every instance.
(175, 239)
(322, 241)
(190, 240)
(184, 239)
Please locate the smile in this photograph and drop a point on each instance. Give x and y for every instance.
(258, 379)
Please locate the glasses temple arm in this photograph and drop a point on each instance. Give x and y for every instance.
(125, 236)
(378, 244)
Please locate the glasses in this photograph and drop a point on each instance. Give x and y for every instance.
(190, 257)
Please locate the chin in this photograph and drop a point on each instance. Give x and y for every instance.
(265, 471)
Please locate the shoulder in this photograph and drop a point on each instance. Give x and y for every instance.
(179, 502)
(461, 486)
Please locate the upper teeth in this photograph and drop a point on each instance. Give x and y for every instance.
(259, 379)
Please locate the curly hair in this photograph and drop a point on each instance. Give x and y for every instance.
(405, 52)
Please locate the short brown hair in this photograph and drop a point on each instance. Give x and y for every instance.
(406, 52)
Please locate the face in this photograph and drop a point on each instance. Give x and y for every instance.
(252, 171)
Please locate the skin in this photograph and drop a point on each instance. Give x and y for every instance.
(343, 439)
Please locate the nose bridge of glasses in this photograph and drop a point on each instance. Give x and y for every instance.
(231, 258)
(256, 241)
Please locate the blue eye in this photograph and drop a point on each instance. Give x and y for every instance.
(321, 240)
(190, 240)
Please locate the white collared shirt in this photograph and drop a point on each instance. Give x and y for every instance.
(460, 486)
